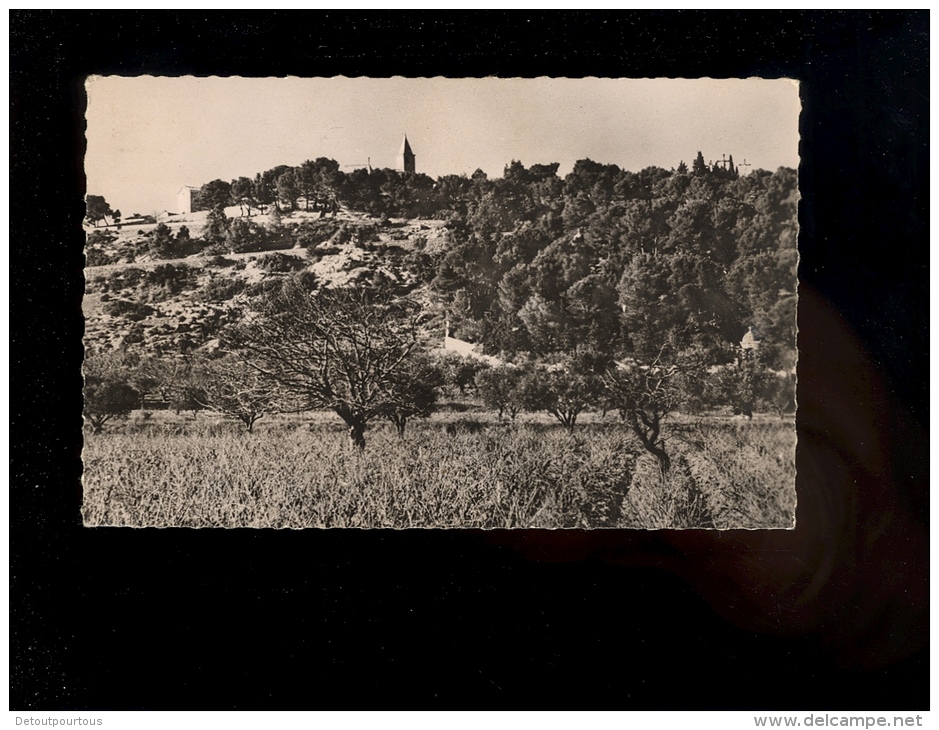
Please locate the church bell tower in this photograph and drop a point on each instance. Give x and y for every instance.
(407, 156)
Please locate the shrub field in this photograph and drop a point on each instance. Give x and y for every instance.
(448, 472)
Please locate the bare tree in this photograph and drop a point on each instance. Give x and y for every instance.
(413, 393)
(644, 395)
(565, 393)
(461, 370)
(232, 387)
(107, 392)
(161, 374)
(499, 389)
(340, 350)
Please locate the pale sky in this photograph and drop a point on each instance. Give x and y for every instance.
(149, 136)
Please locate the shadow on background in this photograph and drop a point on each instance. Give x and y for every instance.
(854, 571)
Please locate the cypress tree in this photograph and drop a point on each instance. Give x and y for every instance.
(700, 166)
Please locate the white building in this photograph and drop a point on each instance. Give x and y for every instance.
(751, 340)
(184, 200)
(467, 349)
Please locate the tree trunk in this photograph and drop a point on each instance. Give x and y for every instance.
(400, 424)
(649, 441)
(357, 434)
(355, 422)
(568, 420)
(665, 462)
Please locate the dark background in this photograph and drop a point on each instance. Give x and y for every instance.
(833, 615)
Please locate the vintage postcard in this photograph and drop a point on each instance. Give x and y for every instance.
(441, 303)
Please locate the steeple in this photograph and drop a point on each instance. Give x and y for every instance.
(406, 156)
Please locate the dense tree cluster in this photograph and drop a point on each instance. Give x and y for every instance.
(98, 210)
(624, 263)
(603, 258)
(315, 183)
(319, 185)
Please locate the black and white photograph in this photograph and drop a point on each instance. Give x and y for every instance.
(441, 303)
(495, 360)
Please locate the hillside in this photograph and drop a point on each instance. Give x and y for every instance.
(529, 266)
(143, 302)
(695, 269)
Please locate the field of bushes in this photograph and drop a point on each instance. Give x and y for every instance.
(452, 471)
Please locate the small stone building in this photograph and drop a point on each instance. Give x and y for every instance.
(751, 340)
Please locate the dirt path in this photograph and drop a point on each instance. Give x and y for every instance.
(194, 260)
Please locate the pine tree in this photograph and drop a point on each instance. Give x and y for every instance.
(700, 166)
(216, 225)
(97, 209)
